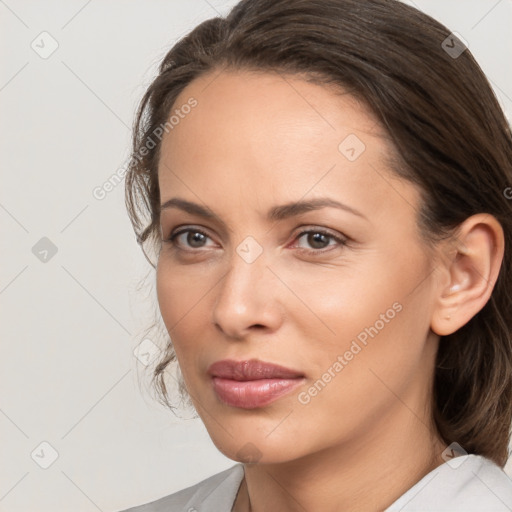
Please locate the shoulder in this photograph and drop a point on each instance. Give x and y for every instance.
(216, 494)
(469, 483)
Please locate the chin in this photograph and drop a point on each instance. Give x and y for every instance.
(255, 446)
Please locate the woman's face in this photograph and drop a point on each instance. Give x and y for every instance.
(340, 295)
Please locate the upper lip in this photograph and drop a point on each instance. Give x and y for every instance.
(252, 369)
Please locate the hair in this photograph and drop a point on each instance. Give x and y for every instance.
(449, 133)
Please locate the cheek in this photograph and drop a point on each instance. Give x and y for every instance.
(179, 292)
(183, 299)
(174, 301)
(367, 311)
(337, 303)
(379, 347)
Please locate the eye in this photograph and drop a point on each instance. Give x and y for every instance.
(195, 238)
(319, 240)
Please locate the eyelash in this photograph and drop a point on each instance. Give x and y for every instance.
(342, 241)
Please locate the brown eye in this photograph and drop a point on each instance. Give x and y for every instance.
(194, 238)
(319, 240)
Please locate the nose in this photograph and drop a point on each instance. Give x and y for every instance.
(247, 298)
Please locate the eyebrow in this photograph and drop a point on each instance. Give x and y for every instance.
(275, 213)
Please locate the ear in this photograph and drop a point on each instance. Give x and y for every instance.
(468, 272)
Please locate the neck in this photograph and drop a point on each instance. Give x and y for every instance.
(368, 472)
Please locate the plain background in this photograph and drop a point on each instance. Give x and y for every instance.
(71, 317)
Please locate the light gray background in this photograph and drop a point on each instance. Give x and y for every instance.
(69, 326)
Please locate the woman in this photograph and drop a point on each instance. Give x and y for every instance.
(326, 184)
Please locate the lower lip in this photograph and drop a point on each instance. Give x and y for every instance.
(251, 394)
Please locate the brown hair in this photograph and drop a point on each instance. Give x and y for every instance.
(451, 138)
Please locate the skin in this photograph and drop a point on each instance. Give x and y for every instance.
(256, 140)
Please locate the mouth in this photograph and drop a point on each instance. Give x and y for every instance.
(252, 384)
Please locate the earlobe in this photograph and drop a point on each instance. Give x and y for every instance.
(471, 272)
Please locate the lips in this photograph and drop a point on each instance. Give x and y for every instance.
(251, 384)
(251, 370)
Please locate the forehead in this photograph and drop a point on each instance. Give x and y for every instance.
(276, 136)
(264, 103)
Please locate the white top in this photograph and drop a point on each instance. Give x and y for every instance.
(468, 483)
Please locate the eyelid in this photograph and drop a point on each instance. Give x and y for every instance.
(312, 228)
